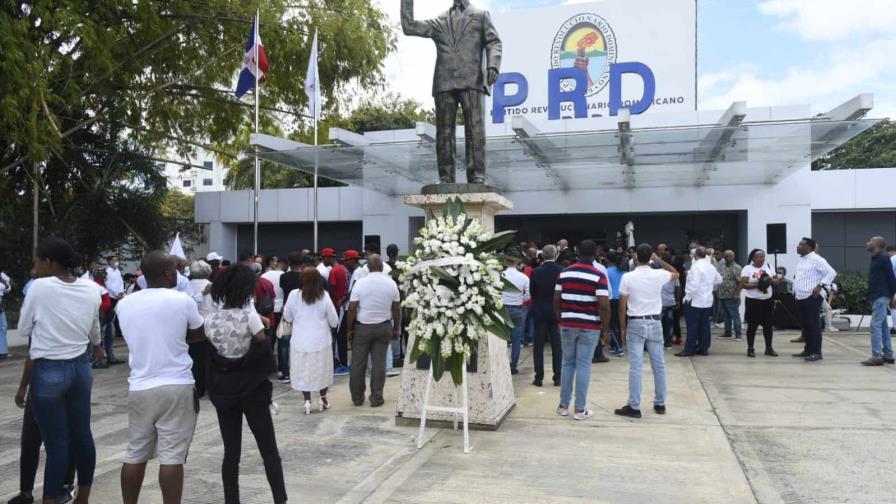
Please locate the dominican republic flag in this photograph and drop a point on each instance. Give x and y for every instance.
(255, 62)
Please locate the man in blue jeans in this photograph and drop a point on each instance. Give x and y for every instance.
(881, 292)
(729, 295)
(582, 305)
(515, 301)
(702, 278)
(640, 319)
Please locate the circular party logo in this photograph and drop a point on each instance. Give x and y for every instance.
(585, 41)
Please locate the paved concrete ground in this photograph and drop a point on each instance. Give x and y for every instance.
(738, 430)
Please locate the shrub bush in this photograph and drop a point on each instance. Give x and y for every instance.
(853, 295)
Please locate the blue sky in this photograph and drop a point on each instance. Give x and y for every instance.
(767, 52)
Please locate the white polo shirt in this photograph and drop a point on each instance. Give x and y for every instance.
(644, 288)
(375, 294)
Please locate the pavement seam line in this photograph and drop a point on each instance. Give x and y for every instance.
(729, 437)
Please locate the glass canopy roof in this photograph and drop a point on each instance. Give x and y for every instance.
(746, 154)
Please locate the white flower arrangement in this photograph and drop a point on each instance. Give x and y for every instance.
(454, 283)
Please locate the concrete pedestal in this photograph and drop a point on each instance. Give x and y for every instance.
(491, 394)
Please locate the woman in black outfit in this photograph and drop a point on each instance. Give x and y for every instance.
(238, 364)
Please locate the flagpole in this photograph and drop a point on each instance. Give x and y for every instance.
(315, 177)
(257, 164)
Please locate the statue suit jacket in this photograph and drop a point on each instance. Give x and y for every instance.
(459, 61)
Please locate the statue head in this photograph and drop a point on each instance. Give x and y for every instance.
(462, 3)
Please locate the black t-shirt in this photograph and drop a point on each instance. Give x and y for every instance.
(289, 282)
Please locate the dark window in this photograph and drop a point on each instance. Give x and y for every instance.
(188, 183)
(209, 165)
(208, 182)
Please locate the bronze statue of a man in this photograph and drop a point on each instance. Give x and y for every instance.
(462, 35)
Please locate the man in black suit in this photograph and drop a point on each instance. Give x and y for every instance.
(542, 284)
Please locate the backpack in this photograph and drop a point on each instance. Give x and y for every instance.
(265, 305)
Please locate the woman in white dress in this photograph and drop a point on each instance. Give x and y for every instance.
(312, 315)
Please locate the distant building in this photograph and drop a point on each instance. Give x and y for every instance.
(201, 173)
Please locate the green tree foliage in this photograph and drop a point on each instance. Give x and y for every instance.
(873, 148)
(94, 194)
(91, 89)
(165, 69)
(388, 113)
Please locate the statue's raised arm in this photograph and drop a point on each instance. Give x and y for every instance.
(410, 26)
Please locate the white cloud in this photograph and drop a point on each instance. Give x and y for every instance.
(826, 20)
(858, 48)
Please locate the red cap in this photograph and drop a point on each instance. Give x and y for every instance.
(349, 255)
(328, 252)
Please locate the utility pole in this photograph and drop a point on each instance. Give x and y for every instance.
(35, 208)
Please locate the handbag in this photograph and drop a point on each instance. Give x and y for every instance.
(284, 329)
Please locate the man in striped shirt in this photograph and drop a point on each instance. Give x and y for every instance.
(813, 279)
(582, 305)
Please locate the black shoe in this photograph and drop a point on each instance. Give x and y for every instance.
(660, 410)
(537, 383)
(358, 403)
(627, 411)
(377, 405)
(771, 352)
(889, 360)
(726, 335)
(100, 365)
(684, 354)
(703, 354)
(514, 371)
(801, 355)
(114, 362)
(751, 352)
(814, 357)
(556, 383)
(874, 361)
(21, 499)
(600, 360)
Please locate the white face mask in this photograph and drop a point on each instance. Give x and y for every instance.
(693, 251)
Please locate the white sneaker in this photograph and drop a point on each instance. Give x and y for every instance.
(562, 411)
(583, 415)
(307, 407)
(392, 372)
(274, 408)
(832, 329)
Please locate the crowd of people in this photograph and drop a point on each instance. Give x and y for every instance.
(219, 329)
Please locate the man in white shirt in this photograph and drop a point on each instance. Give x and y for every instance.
(814, 277)
(282, 354)
(373, 316)
(182, 285)
(158, 323)
(114, 280)
(698, 298)
(514, 301)
(640, 310)
(5, 286)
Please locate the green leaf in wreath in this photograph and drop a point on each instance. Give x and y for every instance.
(444, 276)
(496, 242)
(457, 375)
(509, 286)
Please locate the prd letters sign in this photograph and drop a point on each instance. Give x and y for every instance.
(590, 60)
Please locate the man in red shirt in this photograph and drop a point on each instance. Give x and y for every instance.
(338, 278)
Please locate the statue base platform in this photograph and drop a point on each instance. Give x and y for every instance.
(456, 189)
(490, 386)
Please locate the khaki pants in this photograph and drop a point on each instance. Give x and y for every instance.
(372, 340)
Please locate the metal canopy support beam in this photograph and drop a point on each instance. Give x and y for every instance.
(426, 132)
(526, 134)
(626, 151)
(852, 109)
(718, 139)
(272, 143)
(348, 138)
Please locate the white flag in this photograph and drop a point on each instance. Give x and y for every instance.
(177, 249)
(312, 82)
